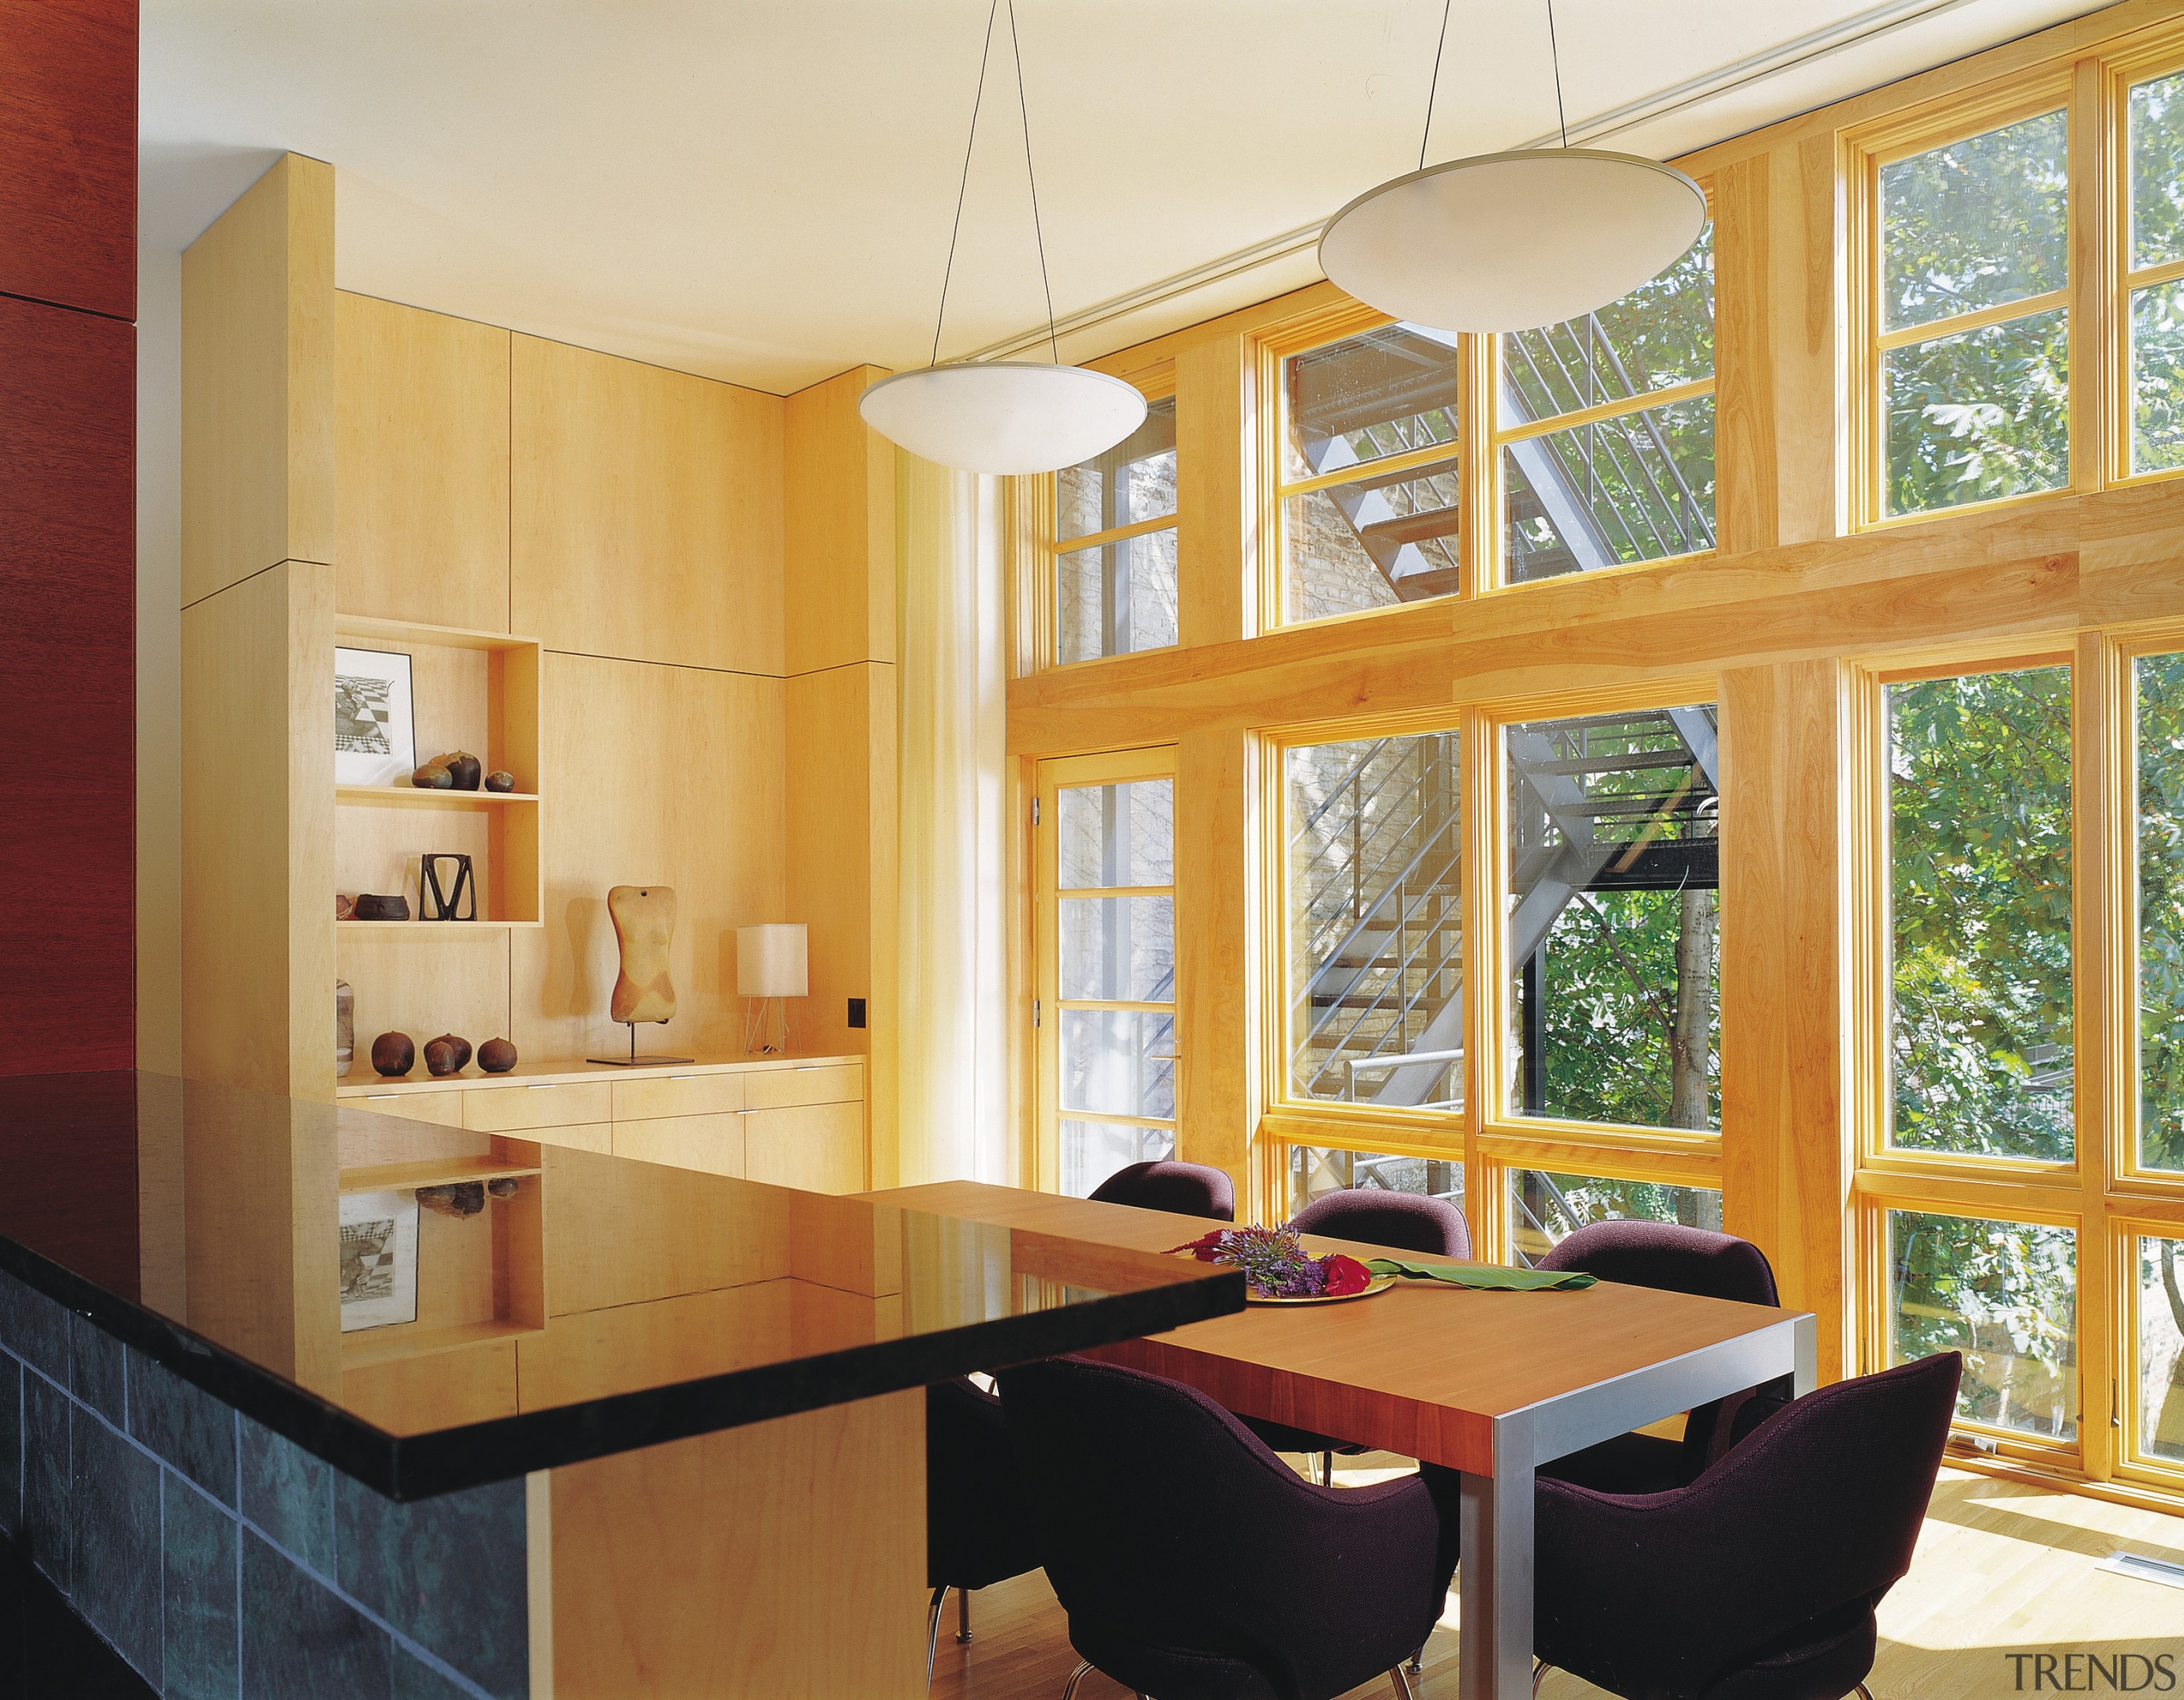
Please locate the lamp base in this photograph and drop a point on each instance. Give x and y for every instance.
(633, 1060)
(765, 1027)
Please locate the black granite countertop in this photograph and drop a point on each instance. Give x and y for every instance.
(563, 1304)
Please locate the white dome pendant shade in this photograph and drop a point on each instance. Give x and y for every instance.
(1510, 242)
(1007, 417)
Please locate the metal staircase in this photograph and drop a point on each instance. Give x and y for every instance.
(1608, 803)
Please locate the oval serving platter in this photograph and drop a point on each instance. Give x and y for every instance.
(1379, 1283)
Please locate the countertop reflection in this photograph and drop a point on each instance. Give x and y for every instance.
(549, 1304)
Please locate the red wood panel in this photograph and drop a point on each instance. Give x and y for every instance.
(67, 690)
(68, 152)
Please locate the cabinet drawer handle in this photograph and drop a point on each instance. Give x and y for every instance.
(544, 1086)
(380, 1097)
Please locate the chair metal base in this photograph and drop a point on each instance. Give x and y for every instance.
(933, 1624)
(1084, 1669)
(1401, 1678)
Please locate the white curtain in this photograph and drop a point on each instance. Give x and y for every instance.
(952, 1111)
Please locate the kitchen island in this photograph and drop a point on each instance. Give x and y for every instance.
(631, 1428)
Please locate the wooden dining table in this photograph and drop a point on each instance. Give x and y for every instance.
(1491, 1383)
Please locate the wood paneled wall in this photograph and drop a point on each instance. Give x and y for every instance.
(840, 786)
(67, 533)
(1771, 618)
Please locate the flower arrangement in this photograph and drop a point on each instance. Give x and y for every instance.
(1276, 1265)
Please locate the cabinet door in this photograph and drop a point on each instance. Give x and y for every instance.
(817, 1146)
(713, 1144)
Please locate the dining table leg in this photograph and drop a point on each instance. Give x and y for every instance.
(1494, 1584)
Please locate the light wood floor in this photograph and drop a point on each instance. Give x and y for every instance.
(2000, 1568)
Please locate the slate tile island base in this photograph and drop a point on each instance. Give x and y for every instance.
(221, 1560)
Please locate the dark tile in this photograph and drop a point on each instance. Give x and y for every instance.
(289, 1495)
(200, 1538)
(414, 1679)
(97, 1359)
(11, 1445)
(184, 1424)
(34, 1328)
(46, 1411)
(46, 1651)
(114, 1505)
(300, 1638)
(450, 1572)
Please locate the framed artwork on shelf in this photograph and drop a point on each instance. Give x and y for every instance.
(375, 731)
(378, 1259)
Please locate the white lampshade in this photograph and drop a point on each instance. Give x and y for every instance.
(1007, 417)
(771, 961)
(1510, 242)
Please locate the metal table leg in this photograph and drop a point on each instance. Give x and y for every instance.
(1495, 1584)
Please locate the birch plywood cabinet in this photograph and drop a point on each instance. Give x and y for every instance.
(795, 1122)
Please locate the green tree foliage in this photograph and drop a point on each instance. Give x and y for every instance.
(2157, 313)
(1979, 861)
(2005, 1294)
(1609, 1003)
(1982, 222)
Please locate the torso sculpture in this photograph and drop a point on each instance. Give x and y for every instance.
(644, 922)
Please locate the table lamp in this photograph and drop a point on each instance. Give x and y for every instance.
(772, 964)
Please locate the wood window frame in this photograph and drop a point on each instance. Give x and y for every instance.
(1324, 326)
(1033, 504)
(1050, 777)
(2073, 89)
(2156, 53)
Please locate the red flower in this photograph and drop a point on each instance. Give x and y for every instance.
(1206, 1248)
(1344, 1274)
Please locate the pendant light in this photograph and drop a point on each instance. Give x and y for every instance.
(1509, 241)
(1002, 416)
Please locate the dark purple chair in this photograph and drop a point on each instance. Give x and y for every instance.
(1674, 1259)
(1759, 1580)
(1403, 1221)
(1186, 1189)
(978, 1528)
(1196, 1565)
(1406, 1221)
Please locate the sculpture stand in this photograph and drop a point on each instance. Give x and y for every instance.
(633, 1060)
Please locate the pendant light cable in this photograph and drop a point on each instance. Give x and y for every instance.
(1433, 89)
(1016, 48)
(977, 100)
(1554, 52)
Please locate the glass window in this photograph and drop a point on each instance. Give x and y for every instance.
(1375, 899)
(1115, 545)
(1369, 477)
(2161, 1349)
(2003, 1293)
(1979, 913)
(1632, 483)
(2160, 713)
(1972, 413)
(1314, 1171)
(1115, 959)
(1543, 1208)
(1614, 920)
(2152, 288)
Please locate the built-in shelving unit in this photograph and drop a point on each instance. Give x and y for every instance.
(470, 690)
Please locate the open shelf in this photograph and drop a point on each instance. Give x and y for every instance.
(403, 1177)
(377, 794)
(414, 632)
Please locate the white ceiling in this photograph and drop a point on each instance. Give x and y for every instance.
(760, 190)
